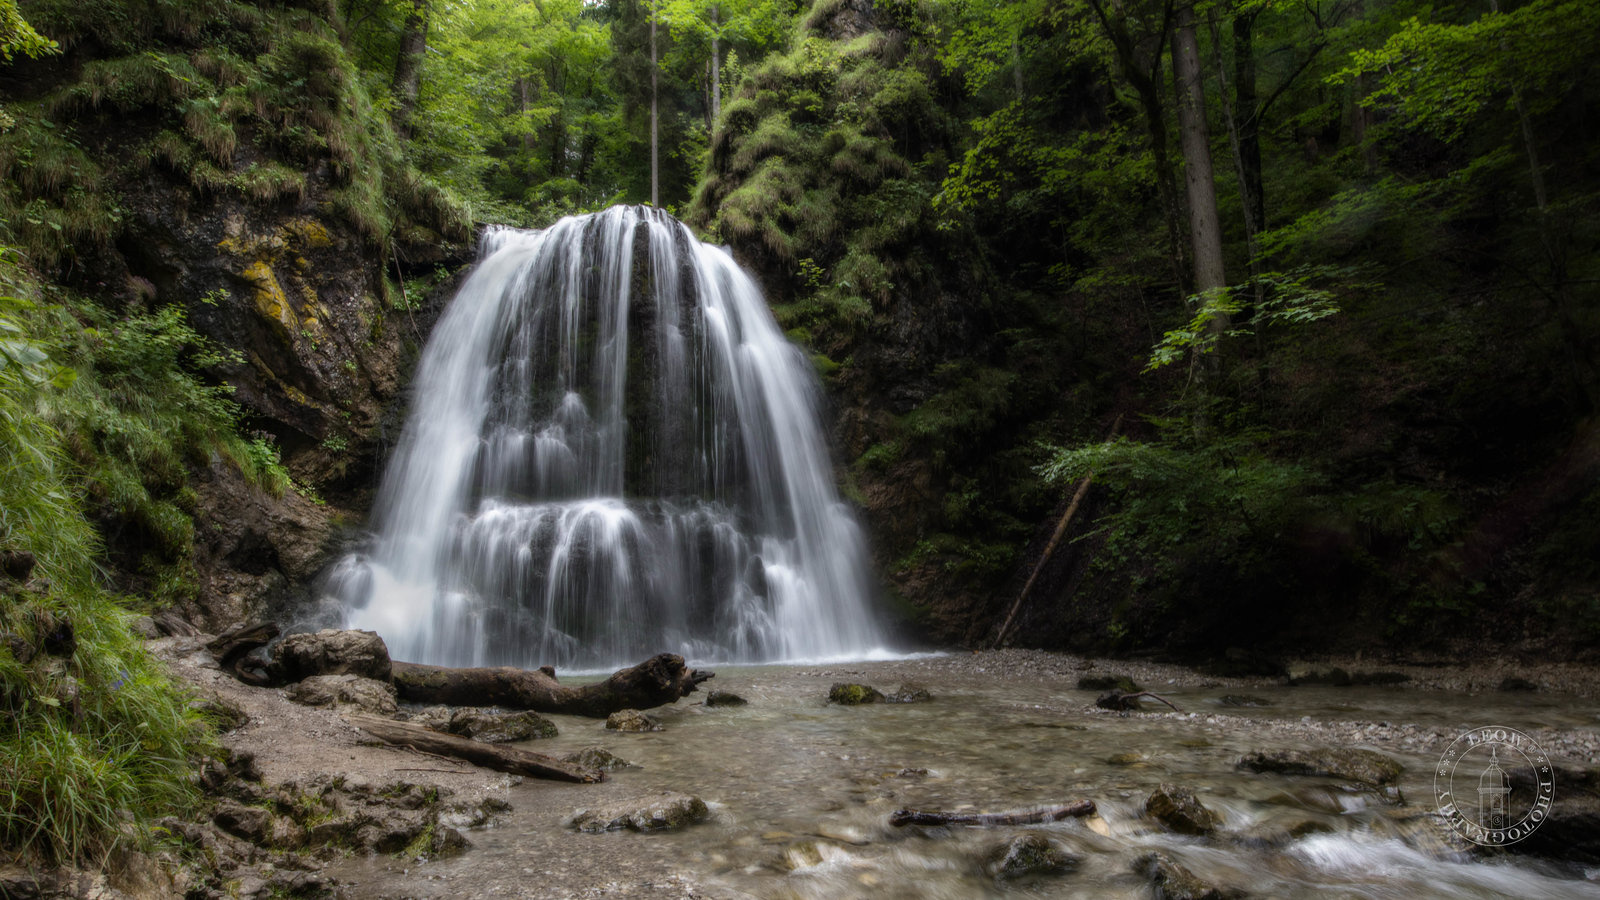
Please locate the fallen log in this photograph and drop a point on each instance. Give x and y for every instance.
(490, 756)
(657, 681)
(992, 820)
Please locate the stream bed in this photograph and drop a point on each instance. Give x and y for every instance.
(801, 791)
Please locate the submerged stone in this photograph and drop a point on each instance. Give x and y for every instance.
(1365, 766)
(1026, 854)
(667, 812)
(1173, 881)
(910, 693)
(725, 698)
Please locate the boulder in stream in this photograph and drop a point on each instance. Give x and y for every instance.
(597, 758)
(1024, 855)
(1179, 809)
(854, 694)
(631, 720)
(1349, 763)
(668, 811)
(725, 698)
(910, 693)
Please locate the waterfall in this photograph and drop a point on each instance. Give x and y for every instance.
(612, 452)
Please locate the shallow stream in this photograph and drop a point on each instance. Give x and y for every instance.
(801, 792)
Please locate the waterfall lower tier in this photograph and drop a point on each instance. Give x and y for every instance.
(612, 452)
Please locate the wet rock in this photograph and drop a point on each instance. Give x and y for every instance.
(725, 698)
(1365, 766)
(496, 727)
(331, 652)
(248, 823)
(910, 693)
(846, 694)
(1513, 683)
(1179, 809)
(1131, 758)
(631, 720)
(1243, 701)
(1173, 881)
(597, 758)
(1120, 683)
(366, 694)
(1026, 854)
(668, 811)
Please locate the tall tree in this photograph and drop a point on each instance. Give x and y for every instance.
(408, 66)
(1205, 226)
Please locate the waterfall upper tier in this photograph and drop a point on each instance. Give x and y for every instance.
(612, 451)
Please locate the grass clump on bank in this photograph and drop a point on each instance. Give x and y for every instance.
(94, 738)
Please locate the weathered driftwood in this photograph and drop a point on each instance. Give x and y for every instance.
(1075, 810)
(490, 756)
(657, 681)
(232, 649)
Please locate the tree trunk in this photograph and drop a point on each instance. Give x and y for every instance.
(655, 104)
(489, 756)
(1143, 71)
(1205, 228)
(408, 67)
(716, 65)
(1248, 116)
(657, 681)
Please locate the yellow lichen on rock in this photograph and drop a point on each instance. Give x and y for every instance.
(308, 232)
(270, 299)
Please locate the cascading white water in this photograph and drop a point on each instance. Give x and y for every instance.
(612, 452)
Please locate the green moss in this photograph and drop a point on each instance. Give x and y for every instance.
(853, 694)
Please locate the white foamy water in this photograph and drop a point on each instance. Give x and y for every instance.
(613, 451)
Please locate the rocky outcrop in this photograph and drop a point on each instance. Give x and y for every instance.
(331, 652)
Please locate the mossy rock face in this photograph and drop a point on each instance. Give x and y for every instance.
(1351, 764)
(854, 694)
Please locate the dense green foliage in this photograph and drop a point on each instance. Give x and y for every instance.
(94, 733)
(1411, 335)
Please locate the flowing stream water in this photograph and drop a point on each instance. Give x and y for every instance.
(801, 792)
(612, 452)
